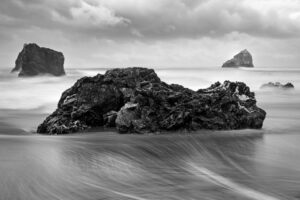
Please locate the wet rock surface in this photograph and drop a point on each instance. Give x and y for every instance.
(242, 59)
(277, 85)
(34, 60)
(135, 100)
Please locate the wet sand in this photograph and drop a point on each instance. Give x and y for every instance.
(111, 166)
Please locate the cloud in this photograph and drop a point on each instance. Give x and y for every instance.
(168, 19)
(85, 14)
(156, 19)
(160, 32)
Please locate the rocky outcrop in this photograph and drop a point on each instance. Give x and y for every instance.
(278, 85)
(135, 100)
(242, 59)
(34, 60)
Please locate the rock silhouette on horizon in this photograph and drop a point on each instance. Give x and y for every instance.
(278, 85)
(135, 100)
(242, 59)
(34, 60)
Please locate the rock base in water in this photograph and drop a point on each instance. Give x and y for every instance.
(135, 100)
(34, 60)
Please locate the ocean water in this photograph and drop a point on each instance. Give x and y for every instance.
(106, 165)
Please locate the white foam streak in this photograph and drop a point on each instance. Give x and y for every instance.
(229, 184)
(115, 192)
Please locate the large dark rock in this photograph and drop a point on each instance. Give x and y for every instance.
(277, 85)
(242, 59)
(135, 100)
(34, 60)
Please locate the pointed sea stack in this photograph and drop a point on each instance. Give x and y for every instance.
(242, 59)
(34, 60)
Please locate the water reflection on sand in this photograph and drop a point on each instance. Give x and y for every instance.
(106, 165)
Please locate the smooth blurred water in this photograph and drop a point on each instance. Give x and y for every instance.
(43, 92)
(105, 165)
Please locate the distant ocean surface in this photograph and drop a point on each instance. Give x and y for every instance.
(110, 166)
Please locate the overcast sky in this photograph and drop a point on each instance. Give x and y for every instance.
(154, 33)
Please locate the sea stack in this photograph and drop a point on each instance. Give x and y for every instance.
(277, 85)
(242, 59)
(34, 60)
(135, 100)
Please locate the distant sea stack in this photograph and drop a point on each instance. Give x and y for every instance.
(278, 85)
(242, 59)
(34, 60)
(135, 100)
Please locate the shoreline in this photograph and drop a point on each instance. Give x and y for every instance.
(10, 125)
(200, 134)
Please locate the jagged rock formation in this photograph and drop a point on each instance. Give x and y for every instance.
(277, 85)
(135, 100)
(34, 60)
(242, 59)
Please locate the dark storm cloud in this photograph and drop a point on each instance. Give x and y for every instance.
(141, 19)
